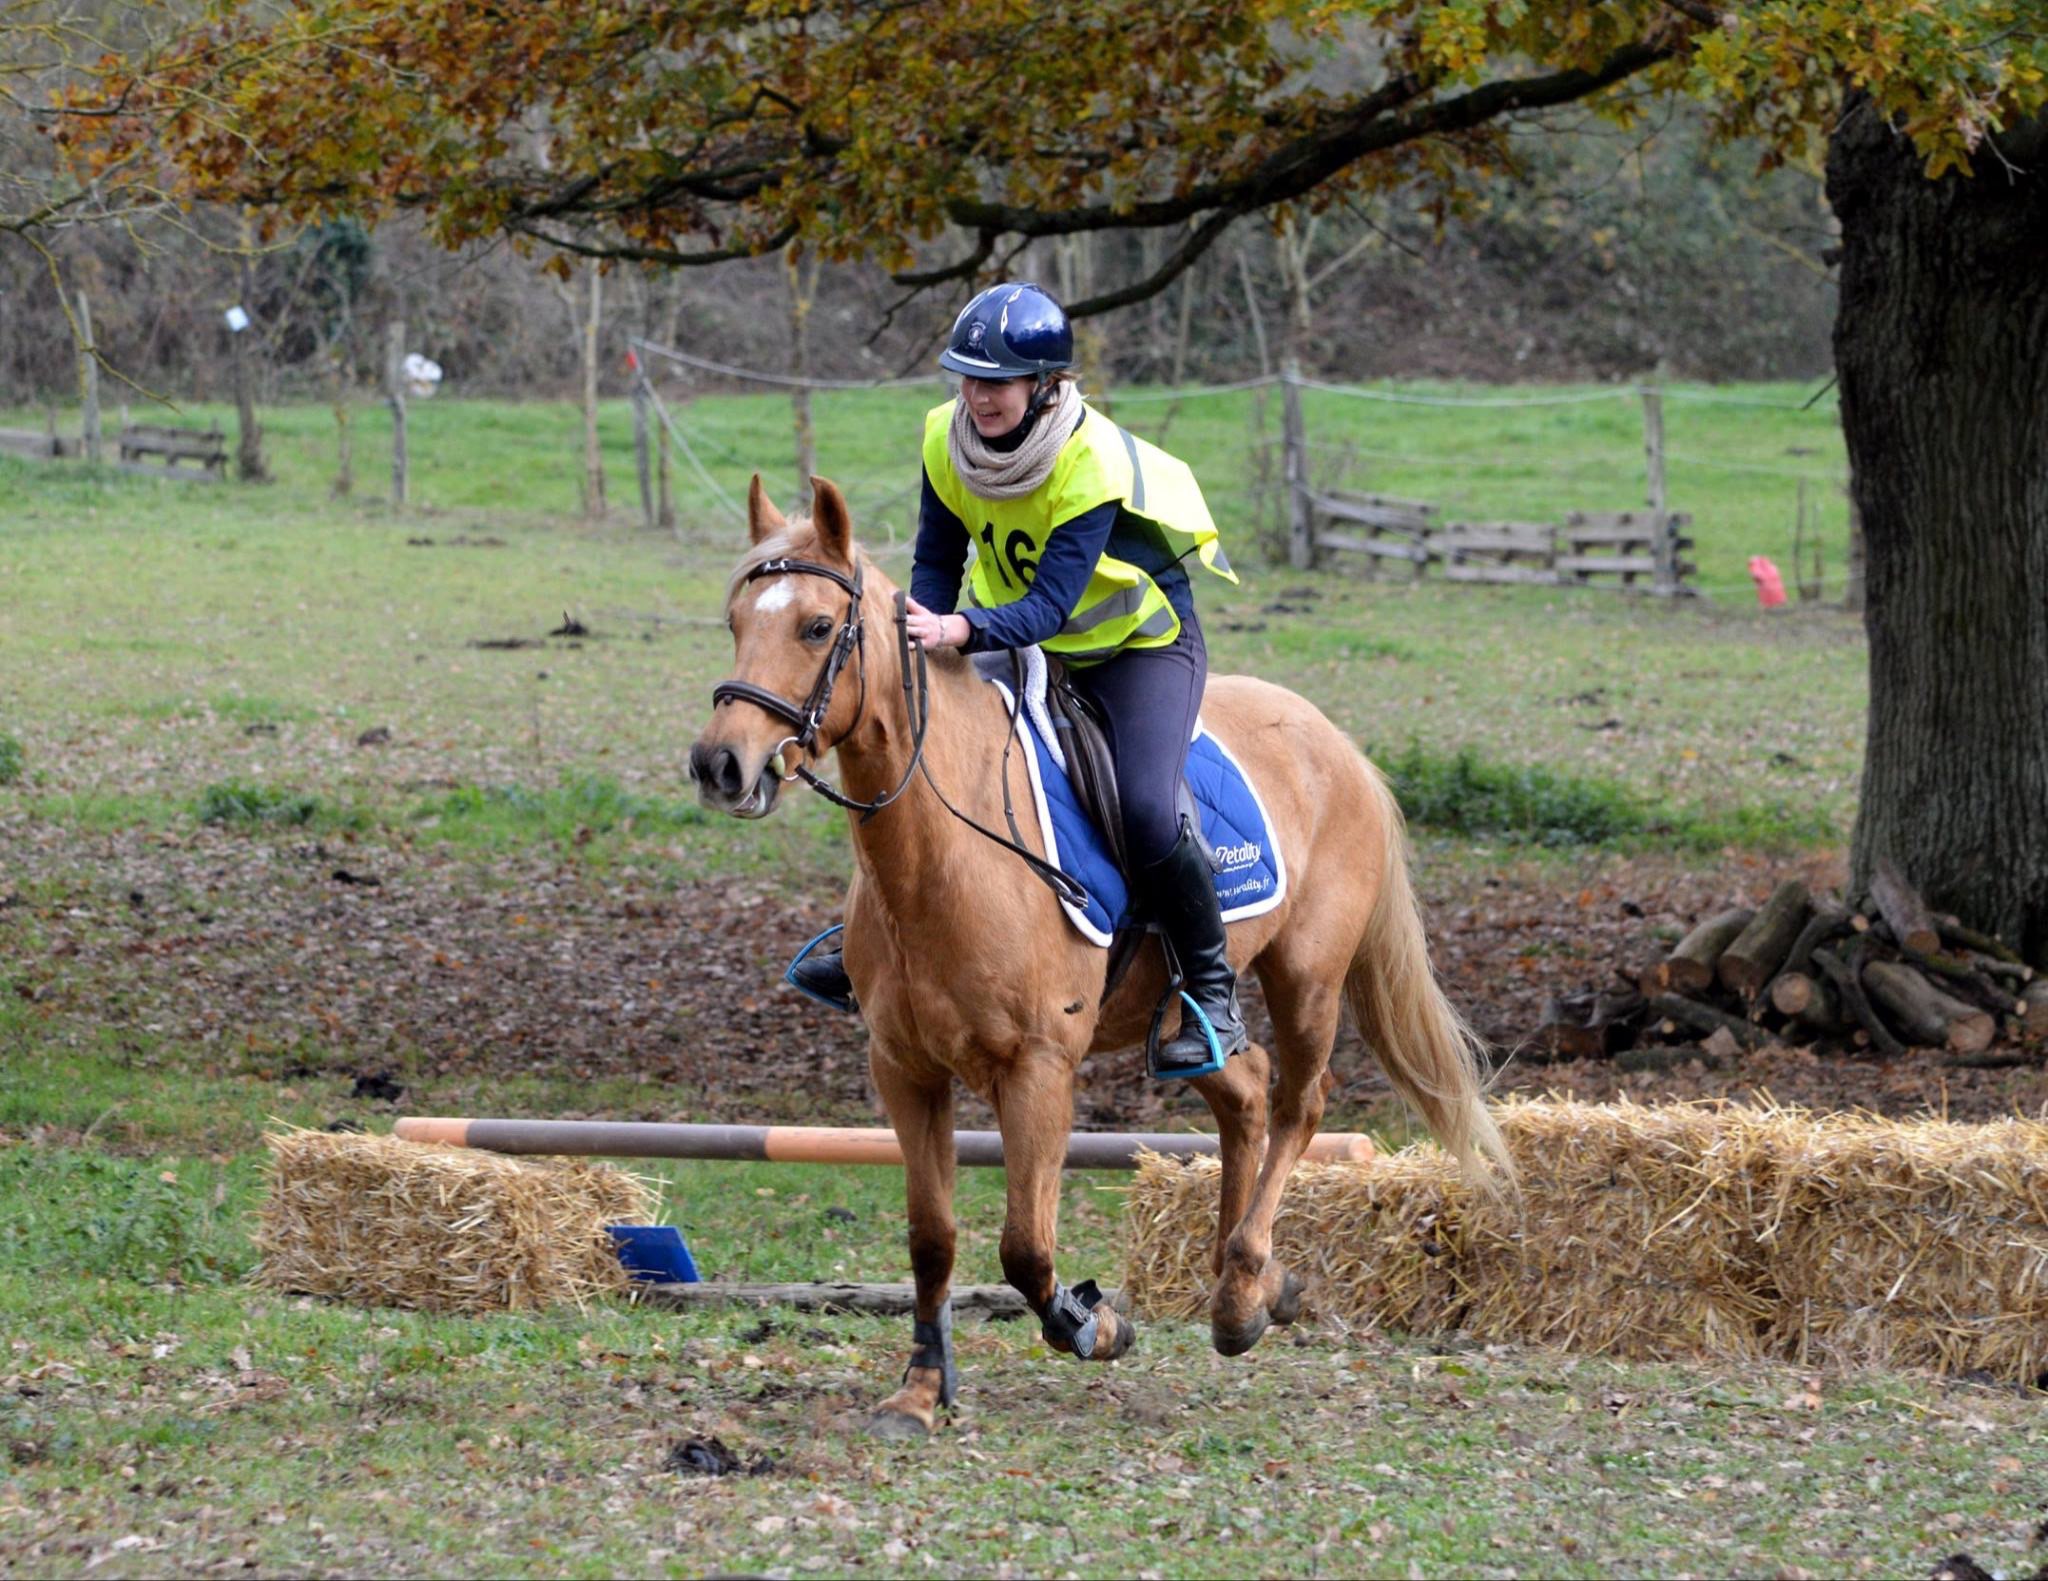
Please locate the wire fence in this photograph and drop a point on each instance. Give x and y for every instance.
(1756, 473)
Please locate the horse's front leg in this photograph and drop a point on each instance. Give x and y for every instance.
(921, 1109)
(1035, 1108)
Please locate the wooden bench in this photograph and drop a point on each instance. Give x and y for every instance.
(169, 446)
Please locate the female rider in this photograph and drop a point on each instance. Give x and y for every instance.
(1081, 534)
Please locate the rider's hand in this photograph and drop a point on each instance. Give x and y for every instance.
(935, 631)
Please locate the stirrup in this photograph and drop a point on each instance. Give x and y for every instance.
(1212, 1064)
(789, 975)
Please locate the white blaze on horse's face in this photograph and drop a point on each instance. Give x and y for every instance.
(775, 595)
(782, 629)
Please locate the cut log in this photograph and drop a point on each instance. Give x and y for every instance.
(1690, 967)
(2011, 971)
(1844, 973)
(1590, 1026)
(1811, 1001)
(1972, 984)
(1901, 906)
(996, 1301)
(2034, 1009)
(1705, 1020)
(1828, 919)
(1748, 964)
(1954, 932)
(1926, 1014)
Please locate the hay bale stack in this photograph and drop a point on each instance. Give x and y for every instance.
(1634, 1234)
(1679, 1230)
(1392, 1262)
(380, 1222)
(1915, 1246)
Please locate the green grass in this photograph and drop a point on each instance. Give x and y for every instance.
(252, 635)
(1463, 795)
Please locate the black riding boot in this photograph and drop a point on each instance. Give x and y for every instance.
(822, 974)
(1180, 892)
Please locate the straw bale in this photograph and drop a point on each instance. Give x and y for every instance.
(1915, 1246)
(1392, 1261)
(1634, 1234)
(381, 1222)
(1685, 1229)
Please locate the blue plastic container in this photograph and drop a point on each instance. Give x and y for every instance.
(656, 1252)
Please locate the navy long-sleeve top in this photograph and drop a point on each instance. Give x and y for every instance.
(1071, 551)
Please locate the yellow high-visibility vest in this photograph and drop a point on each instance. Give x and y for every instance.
(1121, 607)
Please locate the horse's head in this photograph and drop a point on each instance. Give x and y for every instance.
(793, 606)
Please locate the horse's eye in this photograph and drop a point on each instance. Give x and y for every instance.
(819, 628)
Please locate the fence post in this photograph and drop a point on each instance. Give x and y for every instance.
(640, 457)
(1664, 545)
(1301, 532)
(89, 381)
(394, 393)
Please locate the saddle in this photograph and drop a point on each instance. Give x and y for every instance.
(1092, 769)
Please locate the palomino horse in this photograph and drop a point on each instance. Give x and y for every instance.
(967, 970)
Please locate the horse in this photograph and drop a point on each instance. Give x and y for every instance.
(966, 970)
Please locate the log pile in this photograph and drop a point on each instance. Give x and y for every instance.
(1873, 974)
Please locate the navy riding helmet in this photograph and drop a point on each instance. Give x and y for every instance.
(1009, 331)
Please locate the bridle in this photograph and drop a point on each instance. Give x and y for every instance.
(809, 716)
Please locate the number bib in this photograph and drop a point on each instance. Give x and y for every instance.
(1121, 607)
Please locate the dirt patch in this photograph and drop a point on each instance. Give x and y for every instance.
(248, 951)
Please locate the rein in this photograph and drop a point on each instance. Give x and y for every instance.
(809, 716)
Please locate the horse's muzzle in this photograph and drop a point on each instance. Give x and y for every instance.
(723, 784)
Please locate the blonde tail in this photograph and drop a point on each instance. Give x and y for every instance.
(1428, 1052)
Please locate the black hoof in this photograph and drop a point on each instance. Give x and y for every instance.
(1235, 1342)
(1286, 1306)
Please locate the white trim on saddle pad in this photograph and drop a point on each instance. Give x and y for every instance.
(1050, 839)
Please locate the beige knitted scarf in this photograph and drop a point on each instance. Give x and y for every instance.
(993, 474)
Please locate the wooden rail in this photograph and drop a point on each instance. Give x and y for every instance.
(812, 1144)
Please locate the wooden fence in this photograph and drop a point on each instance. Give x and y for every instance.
(1643, 550)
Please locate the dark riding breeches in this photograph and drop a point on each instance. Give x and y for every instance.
(1149, 698)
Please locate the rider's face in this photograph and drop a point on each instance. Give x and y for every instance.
(995, 405)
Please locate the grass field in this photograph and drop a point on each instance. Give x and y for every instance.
(185, 677)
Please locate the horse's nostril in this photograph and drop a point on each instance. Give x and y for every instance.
(725, 772)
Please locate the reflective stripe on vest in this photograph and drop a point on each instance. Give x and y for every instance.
(1121, 606)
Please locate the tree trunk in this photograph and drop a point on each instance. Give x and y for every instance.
(1939, 344)
(803, 291)
(593, 456)
(249, 432)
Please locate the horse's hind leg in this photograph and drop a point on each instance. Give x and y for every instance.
(1255, 1288)
(1035, 1107)
(921, 1109)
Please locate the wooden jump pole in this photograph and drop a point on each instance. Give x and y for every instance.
(812, 1144)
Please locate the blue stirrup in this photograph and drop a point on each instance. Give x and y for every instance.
(790, 977)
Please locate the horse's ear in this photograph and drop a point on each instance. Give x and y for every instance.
(763, 519)
(831, 519)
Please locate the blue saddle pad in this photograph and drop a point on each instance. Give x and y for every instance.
(1251, 873)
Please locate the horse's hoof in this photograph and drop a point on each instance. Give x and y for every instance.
(1286, 1305)
(1121, 1341)
(899, 1425)
(1235, 1342)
